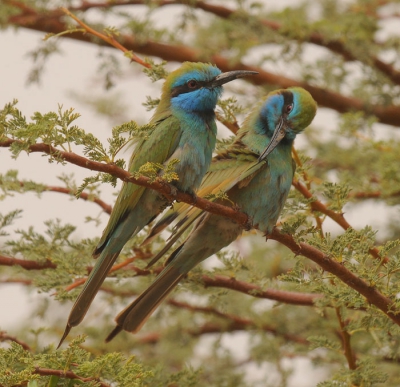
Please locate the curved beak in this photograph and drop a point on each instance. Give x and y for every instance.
(230, 76)
(279, 134)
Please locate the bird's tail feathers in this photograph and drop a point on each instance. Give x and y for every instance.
(160, 226)
(170, 242)
(135, 315)
(91, 287)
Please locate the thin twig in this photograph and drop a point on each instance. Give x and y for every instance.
(316, 38)
(294, 298)
(371, 293)
(116, 267)
(109, 39)
(235, 322)
(84, 196)
(26, 264)
(317, 205)
(346, 342)
(233, 126)
(208, 328)
(219, 281)
(5, 337)
(373, 195)
(67, 375)
(307, 179)
(165, 189)
(51, 22)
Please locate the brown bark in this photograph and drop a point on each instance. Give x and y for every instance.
(51, 22)
(67, 375)
(167, 190)
(26, 264)
(84, 196)
(317, 205)
(371, 293)
(5, 337)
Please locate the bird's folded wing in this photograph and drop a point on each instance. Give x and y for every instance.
(223, 174)
(158, 148)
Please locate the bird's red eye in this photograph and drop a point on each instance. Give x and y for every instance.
(192, 84)
(289, 108)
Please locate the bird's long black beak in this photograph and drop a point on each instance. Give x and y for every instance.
(230, 76)
(279, 134)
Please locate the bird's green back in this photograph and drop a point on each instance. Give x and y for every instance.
(166, 132)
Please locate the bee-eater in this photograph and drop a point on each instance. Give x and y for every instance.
(255, 172)
(183, 128)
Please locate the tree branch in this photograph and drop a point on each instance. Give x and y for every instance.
(371, 293)
(109, 39)
(22, 281)
(316, 38)
(51, 23)
(294, 298)
(235, 322)
(165, 189)
(233, 126)
(317, 205)
(84, 196)
(307, 180)
(373, 195)
(207, 328)
(26, 264)
(118, 266)
(217, 281)
(67, 375)
(5, 337)
(346, 343)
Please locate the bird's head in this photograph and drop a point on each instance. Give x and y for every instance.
(196, 87)
(284, 114)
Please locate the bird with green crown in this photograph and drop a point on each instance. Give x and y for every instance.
(255, 172)
(183, 128)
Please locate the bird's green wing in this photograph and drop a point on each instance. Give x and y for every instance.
(156, 148)
(226, 170)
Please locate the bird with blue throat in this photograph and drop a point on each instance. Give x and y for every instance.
(255, 172)
(183, 128)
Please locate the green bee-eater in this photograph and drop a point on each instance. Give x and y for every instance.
(183, 128)
(256, 173)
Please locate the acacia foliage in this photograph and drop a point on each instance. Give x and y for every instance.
(335, 293)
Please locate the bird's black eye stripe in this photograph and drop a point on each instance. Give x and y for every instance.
(187, 87)
(287, 101)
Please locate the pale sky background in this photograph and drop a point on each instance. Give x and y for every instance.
(75, 70)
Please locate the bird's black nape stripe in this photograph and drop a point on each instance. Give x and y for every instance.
(287, 98)
(177, 90)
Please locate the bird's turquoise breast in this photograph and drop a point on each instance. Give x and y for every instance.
(195, 150)
(265, 195)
